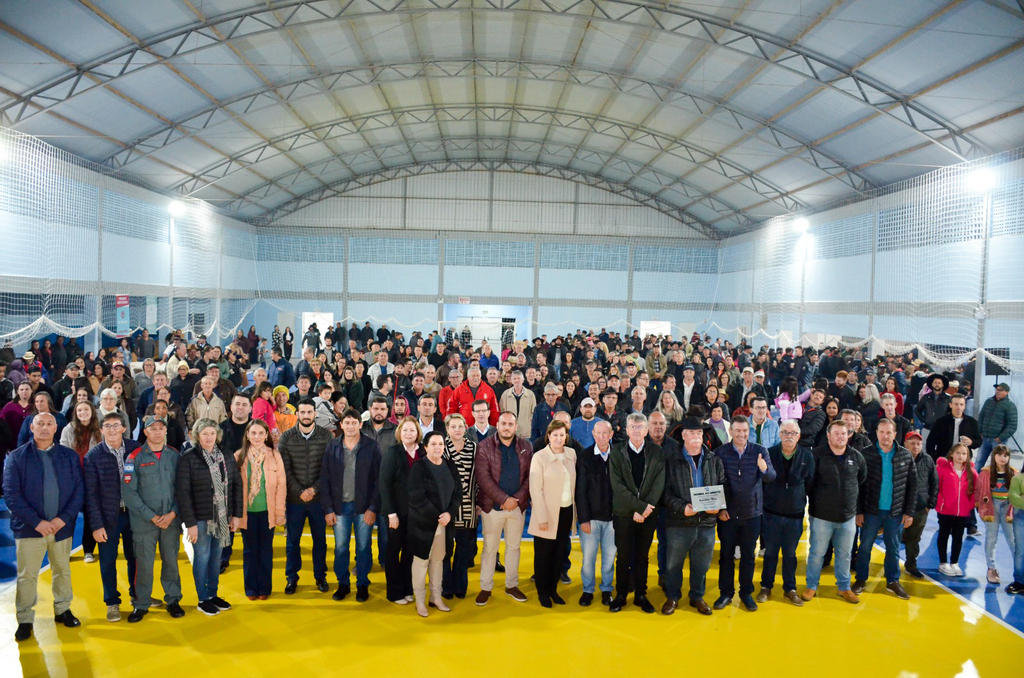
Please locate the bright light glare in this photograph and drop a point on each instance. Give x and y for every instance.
(980, 180)
(801, 224)
(177, 208)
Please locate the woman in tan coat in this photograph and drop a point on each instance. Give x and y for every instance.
(264, 492)
(553, 492)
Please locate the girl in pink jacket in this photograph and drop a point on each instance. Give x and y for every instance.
(958, 484)
(994, 507)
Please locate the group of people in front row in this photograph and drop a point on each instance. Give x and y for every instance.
(432, 487)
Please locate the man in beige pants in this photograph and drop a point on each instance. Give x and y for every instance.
(503, 475)
(44, 490)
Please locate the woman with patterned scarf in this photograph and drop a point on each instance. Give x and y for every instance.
(263, 501)
(209, 495)
(462, 550)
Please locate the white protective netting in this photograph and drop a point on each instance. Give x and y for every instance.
(76, 238)
(905, 267)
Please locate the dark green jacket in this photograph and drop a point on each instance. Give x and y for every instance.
(627, 499)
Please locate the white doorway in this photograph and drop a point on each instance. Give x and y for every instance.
(323, 322)
(482, 329)
(655, 327)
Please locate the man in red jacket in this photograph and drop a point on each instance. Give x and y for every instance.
(472, 390)
(444, 398)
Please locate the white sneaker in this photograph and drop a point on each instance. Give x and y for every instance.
(958, 572)
(737, 554)
(400, 601)
(90, 557)
(946, 569)
(113, 613)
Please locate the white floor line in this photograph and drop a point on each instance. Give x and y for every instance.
(979, 608)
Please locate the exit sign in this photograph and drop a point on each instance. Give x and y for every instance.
(463, 300)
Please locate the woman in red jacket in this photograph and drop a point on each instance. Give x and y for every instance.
(890, 387)
(957, 487)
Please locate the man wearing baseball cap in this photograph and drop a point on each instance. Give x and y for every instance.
(927, 495)
(148, 495)
(65, 386)
(997, 421)
(582, 427)
(118, 372)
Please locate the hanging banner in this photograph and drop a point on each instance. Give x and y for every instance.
(121, 308)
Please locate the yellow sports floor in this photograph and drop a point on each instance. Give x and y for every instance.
(933, 634)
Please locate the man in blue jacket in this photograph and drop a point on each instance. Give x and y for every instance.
(747, 465)
(544, 413)
(104, 473)
(280, 372)
(43, 489)
(349, 496)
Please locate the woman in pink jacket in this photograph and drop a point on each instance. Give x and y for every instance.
(263, 406)
(958, 484)
(264, 492)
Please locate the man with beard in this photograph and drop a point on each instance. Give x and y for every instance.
(302, 450)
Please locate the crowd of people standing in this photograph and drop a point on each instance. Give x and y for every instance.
(428, 440)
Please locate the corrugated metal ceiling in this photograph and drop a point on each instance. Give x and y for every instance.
(733, 111)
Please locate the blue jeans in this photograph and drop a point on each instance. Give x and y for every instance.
(1018, 545)
(602, 535)
(983, 453)
(892, 530)
(779, 533)
(460, 551)
(206, 563)
(841, 535)
(257, 554)
(108, 560)
(342, 536)
(992, 532)
(295, 519)
(699, 544)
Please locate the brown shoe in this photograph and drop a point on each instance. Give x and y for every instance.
(515, 594)
(669, 607)
(763, 595)
(700, 606)
(849, 596)
(793, 597)
(898, 590)
(809, 594)
(483, 597)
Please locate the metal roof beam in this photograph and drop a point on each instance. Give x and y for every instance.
(537, 150)
(253, 21)
(519, 114)
(419, 169)
(344, 79)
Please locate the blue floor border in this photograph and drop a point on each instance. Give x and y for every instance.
(973, 587)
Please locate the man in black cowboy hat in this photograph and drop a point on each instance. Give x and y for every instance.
(934, 404)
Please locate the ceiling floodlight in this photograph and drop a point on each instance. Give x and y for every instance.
(980, 180)
(177, 208)
(801, 225)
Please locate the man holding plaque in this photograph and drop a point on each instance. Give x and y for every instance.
(689, 532)
(746, 466)
(784, 502)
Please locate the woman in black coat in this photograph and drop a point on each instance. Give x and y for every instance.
(434, 497)
(393, 482)
(209, 493)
